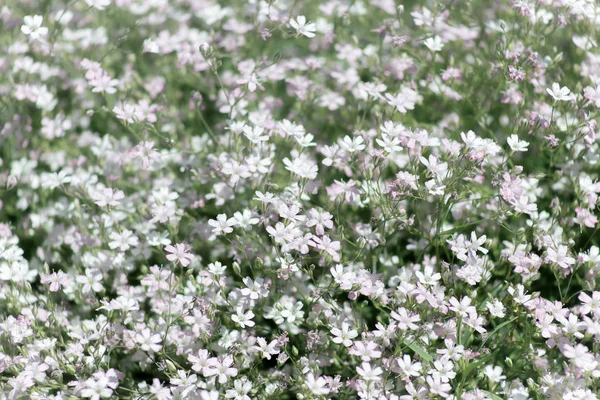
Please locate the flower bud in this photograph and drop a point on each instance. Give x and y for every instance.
(236, 268)
(11, 182)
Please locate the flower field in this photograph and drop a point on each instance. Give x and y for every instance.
(299, 199)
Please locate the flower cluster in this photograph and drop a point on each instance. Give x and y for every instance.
(299, 199)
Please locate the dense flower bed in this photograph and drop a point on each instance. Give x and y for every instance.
(299, 199)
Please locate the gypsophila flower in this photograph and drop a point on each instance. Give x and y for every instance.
(368, 373)
(56, 280)
(128, 112)
(516, 144)
(104, 84)
(590, 303)
(243, 319)
(32, 26)
(146, 153)
(254, 288)
(180, 252)
(462, 307)
(523, 205)
(216, 268)
(222, 369)
(344, 335)
(222, 225)
(17, 271)
(98, 4)
(123, 240)
(245, 219)
(233, 201)
(403, 101)
(107, 197)
(405, 321)
(267, 349)
(494, 373)
(407, 367)
(434, 44)
(240, 390)
(496, 308)
(302, 27)
(301, 168)
(437, 386)
(100, 385)
(316, 385)
(331, 247)
(365, 350)
(91, 281)
(559, 93)
(560, 257)
(148, 341)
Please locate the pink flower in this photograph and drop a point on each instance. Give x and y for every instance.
(104, 84)
(405, 320)
(145, 152)
(585, 217)
(222, 369)
(329, 246)
(56, 280)
(320, 220)
(560, 257)
(180, 252)
(107, 197)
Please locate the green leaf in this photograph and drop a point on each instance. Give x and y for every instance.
(492, 395)
(496, 330)
(422, 353)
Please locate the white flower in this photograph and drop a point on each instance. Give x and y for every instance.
(494, 373)
(123, 241)
(405, 100)
(522, 205)
(345, 335)
(150, 46)
(496, 309)
(369, 373)
(107, 197)
(32, 26)
(45, 99)
(255, 134)
(180, 252)
(434, 44)
(584, 42)
(266, 349)
(243, 319)
(389, 143)
(559, 93)
(147, 341)
(98, 4)
(240, 388)
(222, 225)
(352, 145)
(92, 280)
(96, 389)
(434, 188)
(254, 288)
(222, 369)
(301, 167)
(16, 271)
(516, 144)
(317, 386)
(53, 180)
(560, 256)
(245, 220)
(302, 27)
